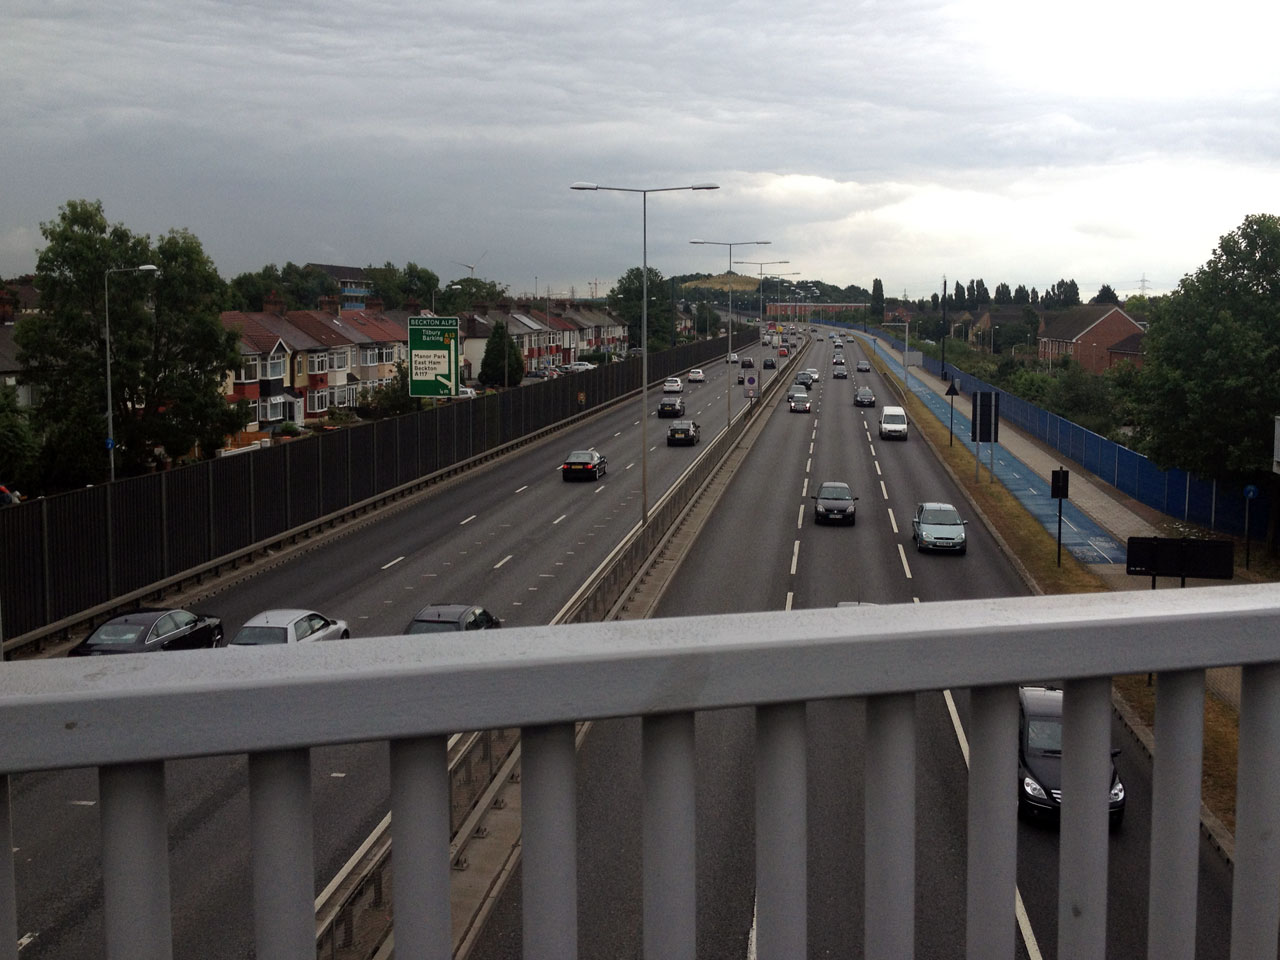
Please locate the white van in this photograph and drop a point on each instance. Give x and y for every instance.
(893, 423)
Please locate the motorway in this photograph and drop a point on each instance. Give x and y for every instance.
(515, 538)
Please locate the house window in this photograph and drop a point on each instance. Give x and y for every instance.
(387, 354)
(317, 401)
(275, 408)
(275, 366)
(297, 366)
(338, 360)
(317, 362)
(342, 396)
(248, 370)
(368, 356)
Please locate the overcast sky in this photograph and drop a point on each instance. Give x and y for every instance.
(1013, 141)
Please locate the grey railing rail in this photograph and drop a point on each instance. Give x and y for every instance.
(92, 713)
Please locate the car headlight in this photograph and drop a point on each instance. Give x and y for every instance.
(1033, 789)
(1117, 792)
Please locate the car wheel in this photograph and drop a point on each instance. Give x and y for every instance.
(346, 635)
(964, 550)
(854, 519)
(1117, 818)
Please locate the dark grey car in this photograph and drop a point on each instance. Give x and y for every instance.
(451, 617)
(835, 503)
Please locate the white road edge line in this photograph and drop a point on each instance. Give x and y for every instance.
(387, 566)
(1019, 909)
(522, 489)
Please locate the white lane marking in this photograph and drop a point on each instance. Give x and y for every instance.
(26, 940)
(630, 465)
(808, 464)
(503, 560)
(597, 490)
(558, 519)
(790, 596)
(893, 521)
(883, 492)
(522, 489)
(472, 517)
(815, 431)
(386, 566)
(336, 775)
(795, 557)
(1019, 909)
(804, 489)
(906, 567)
(618, 434)
(873, 446)
(878, 472)
(84, 803)
(811, 448)
(800, 518)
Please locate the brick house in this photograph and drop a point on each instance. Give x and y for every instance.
(1096, 336)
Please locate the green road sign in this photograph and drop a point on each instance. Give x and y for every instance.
(433, 357)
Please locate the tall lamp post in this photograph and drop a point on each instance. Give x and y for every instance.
(728, 394)
(761, 264)
(106, 313)
(644, 320)
(778, 277)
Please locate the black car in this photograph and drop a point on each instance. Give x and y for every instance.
(865, 397)
(804, 379)
(671, 407)
(742, 377)
(835, 502)
(770, 363)
(583, 465)
(864, 366)
(840, 373)
(683, 432)
(451, 617)
(748, 363)
(146, 630)
(1040, 757)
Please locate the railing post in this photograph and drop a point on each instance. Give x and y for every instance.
(1086, 781)
(670, 889)
(1175, 816)
(890, 846)
(135, 862)
(1255, 906)
(550, 863)
(781, 832)
(280, 828)
(420, 855)
(8, 885)
(993, 823)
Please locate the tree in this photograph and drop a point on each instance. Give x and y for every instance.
(169, 352)
(959, 300)
(1212, 346)
(392, 399)
(1003, 296)
(876, 311)
(706, 319)
(464, 293)
(502, 365)
(625, 299)
(971, 295)
(395, 287)
(1035, 297)
(1106, 295)
(1021, 296)
(933, 303)
(17, 441)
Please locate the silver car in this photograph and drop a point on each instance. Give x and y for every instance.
(937, 526)
(288, 626)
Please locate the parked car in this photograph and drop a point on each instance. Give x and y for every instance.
(452, 617)
(865, 397)
(147, 630)
(671, 407)
(800, 403)
(748, 363)
(834, 501)
(578, 366)
(288, 626)
(683, 432)
(1040, 757)
(770, 363)
(697, 376)
(937, 526)
(864, 366)
(673, 385)
(583, 465)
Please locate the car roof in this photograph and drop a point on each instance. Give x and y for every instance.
(147, 615)
(443, 611)
(682, 424)
(276, 618)
(936, 505)
(833, 483)
(580, 454)
(1041, 701)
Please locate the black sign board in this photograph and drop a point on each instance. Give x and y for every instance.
(985, 421)
(1181, 557)
(1058, 484)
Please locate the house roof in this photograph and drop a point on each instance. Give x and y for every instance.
(293, 338)
(1130, 344)
(1071, 324)
(378, 326)
(324, 328)
(253, 334)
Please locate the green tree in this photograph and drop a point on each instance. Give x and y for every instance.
(958, 299)
(502, 365)
(1212, 346)
(625, 299)
(1003, 296)
(249, 291)
(18, 446)
(302, 287)
(1106, 295)
(391, 399)
(1020, 295)
(465, 293)
(876, 312)
(706, 319)
(169, 352)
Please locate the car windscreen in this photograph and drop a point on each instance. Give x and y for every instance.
(261, 636)
(941, 517)
(827, 492)
(895, 418)
(119, 633)
(1044, 734)
(579, 456)
(432, 626)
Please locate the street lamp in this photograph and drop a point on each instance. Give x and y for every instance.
(728, 394)
(644, 321)
(452, 286)
(761, 264)
(778, 277)
(106, 312)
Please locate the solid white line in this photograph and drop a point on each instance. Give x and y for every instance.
(503, 560)
(795, 557)
(800, 518)
(468, 520)
(906, 567)
(893, 521)
(523, 489)
(1019, 908)
(883, 492)
(558, 519)
(392, 563)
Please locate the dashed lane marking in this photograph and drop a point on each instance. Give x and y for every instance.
(387, 566)
(906, 567)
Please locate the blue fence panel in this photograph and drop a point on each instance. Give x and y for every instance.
(1200, 502)
(1175, 493)
(1151, 485)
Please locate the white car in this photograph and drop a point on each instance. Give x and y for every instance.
(273, 627)
(733, 358)
(813, 372)
(673, 385)
(697, 376)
